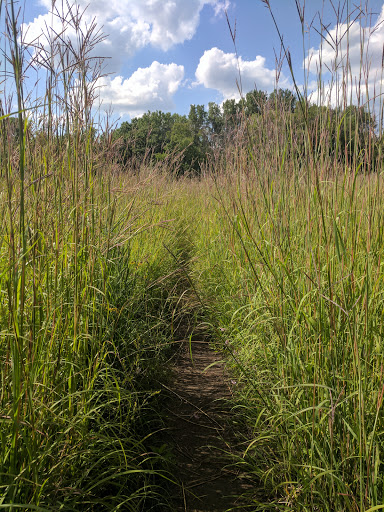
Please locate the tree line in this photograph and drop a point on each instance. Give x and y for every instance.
(346, 133)
(275, 122)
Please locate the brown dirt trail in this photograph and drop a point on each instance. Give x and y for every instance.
(199, 433)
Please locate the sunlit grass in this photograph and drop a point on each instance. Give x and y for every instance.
(282, 245)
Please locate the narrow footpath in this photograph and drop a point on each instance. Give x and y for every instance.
(200, 435)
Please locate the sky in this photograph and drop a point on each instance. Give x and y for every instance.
(168, 54)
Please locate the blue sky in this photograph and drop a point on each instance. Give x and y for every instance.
(168, 54)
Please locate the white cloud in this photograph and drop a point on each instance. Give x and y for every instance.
(219, 70)
(349, 56)
(149, 88)
(220, 6)
(131, 24)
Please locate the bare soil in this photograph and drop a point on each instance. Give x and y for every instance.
(200, 435)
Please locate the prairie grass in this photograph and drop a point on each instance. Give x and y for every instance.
(290, 268)
(284, 243)
(86, 306)
(85, 325)
(298, 311)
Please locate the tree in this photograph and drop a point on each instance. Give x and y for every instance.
(231, 113)
(182, 140)
(215, 119)
(198, 118)
(146, 135)
(151, 132)
(356, 130)
(284, 99)
(255, 101)
(124, 135)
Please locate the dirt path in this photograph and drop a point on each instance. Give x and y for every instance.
(199, 433)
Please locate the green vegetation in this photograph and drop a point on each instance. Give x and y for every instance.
(284, 233)
(87, 311)
(188, 143)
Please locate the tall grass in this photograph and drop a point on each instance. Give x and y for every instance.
(86, 298)
(291, 265)
(283, 235)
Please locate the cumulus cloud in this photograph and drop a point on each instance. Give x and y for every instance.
(355, 52)
(146, 89)
(219, 70)
(129, 24)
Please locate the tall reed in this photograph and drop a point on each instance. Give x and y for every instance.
(79, 356)
(291, 262)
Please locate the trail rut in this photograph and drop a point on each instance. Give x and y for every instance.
(199, 433)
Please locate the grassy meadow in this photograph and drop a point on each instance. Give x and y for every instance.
(282, 243)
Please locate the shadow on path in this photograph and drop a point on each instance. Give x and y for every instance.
(199, 432)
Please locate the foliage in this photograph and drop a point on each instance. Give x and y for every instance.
(301, 124)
